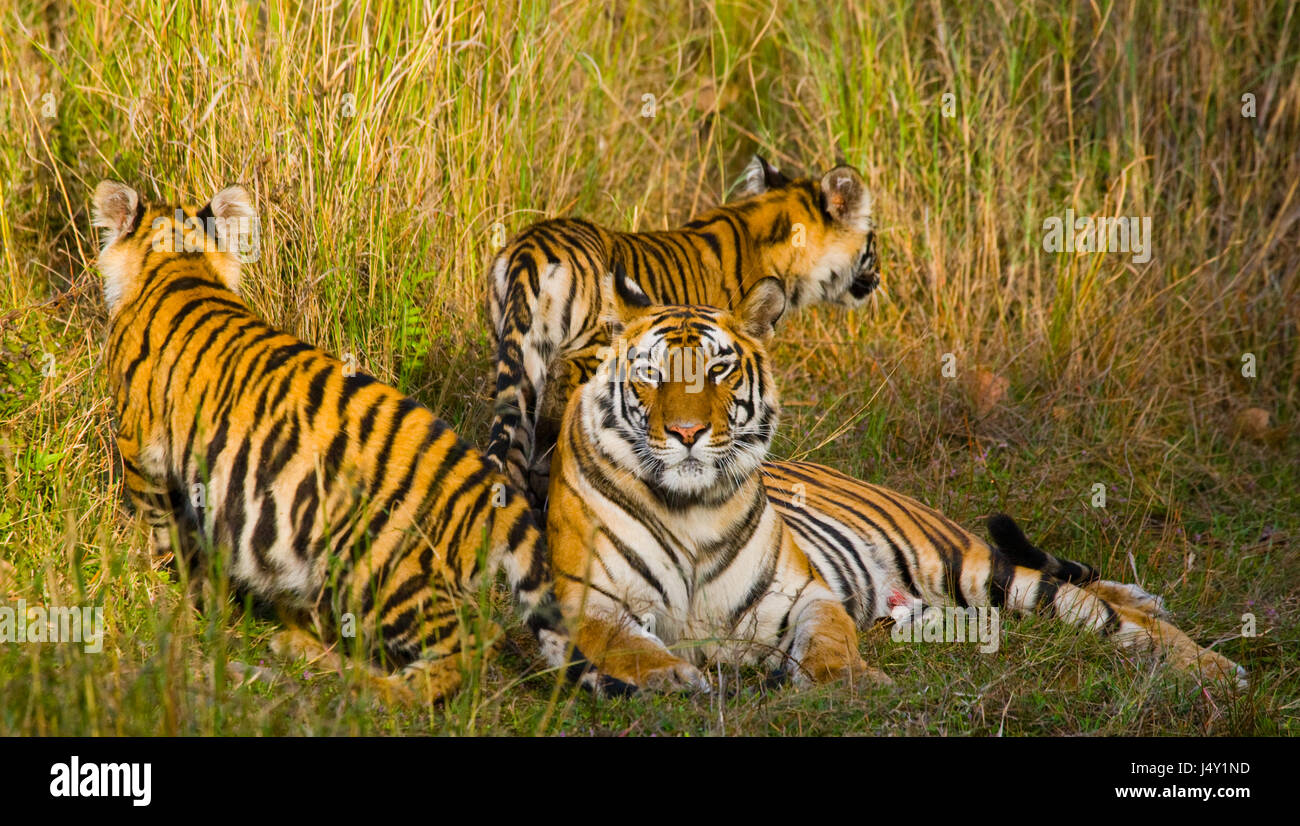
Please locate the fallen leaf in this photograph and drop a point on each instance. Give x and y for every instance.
(987, 390)
(1252, 423)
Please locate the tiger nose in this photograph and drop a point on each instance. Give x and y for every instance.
(686, 431)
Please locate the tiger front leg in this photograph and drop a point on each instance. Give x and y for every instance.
(825, 646)
(153, 503)
(173, 534)
(624, 654)
(433, 677)
(628, 656)
(447, 644)
(594, 604)
(438, 674)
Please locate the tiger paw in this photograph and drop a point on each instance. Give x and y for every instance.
(1216, 668)
(674, 677)
(430, 681)
(851, 669)
(300, 644)
(391, 690)
(1129, 596)
(872, 676)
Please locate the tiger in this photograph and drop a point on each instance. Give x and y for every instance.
(548, 307)
(318, 488)
(676, 541)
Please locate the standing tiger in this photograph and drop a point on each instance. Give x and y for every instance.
(666, 528)
(548, 305)
(318, 488)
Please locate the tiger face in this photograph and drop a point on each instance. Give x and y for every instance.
(224, 232)
(819, 233)
(689, 392)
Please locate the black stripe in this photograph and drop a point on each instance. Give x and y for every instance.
(637, 564)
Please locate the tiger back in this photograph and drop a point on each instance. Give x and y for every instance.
(320, 489)
(549, 304)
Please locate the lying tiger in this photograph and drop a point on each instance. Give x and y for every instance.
(549, 301)
(674, 544)
(321, 489)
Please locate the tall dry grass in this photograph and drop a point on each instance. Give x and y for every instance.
(384, 142)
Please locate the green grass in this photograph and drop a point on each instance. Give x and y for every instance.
(378, 214)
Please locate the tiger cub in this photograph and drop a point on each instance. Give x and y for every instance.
(666, 527)
(548, 305)
(318, 488)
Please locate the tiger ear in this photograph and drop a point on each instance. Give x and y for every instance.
(235, 216)
(761, 307)
(630, 301)
(234, 225)
(760, 177)
(845, 197)
(116, 211)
